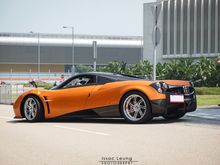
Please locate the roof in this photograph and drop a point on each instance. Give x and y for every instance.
(114, 76)
(66, 39)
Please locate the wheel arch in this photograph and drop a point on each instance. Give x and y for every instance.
(135, 90)
(23, 100)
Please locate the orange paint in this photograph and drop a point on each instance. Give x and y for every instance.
(64, 101)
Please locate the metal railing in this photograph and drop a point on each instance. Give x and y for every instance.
(24, 77)
(9, 93)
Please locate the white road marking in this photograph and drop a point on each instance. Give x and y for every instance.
(5, 117)
(202, 116)
(205, 114)
(82, 130)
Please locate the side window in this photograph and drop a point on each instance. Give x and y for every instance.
(103, 80)
(80, 81)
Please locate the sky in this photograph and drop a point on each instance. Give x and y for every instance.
(96, 17)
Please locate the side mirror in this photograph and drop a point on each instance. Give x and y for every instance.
(33, 83)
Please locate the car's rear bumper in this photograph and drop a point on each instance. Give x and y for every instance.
(164, 106)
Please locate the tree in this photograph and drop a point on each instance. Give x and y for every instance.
(182, 69)
(161, 71)
(142, 69)
(83, 68)
(206, 72)
(114, 67)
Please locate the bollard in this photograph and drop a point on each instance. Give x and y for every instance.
(0, 94)
(11, 94)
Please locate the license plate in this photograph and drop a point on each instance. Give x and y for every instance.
(176, 98)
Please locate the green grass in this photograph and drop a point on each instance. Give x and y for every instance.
(48, 86)
(207, 90)
(205, 100)
(40, 84)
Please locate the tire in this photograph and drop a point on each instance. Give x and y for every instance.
(33, 109)
(135, 107)
(174, 116)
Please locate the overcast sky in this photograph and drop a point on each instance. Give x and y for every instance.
(103, 17)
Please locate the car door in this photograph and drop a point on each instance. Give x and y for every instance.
(71, 97)
(102, 94)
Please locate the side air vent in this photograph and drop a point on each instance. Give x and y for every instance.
(46, 101)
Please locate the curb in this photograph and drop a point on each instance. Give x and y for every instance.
(209, 107)
(211, 118)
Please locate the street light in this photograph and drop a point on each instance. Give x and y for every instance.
(156, 33)
(94, 43)
(72, 28)
(38, 54)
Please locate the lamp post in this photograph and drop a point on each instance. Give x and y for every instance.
(155, 42)
(156, 33)
(38, 54)
(94, 43)
(72, 28)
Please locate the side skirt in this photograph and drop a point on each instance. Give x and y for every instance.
(108, 111)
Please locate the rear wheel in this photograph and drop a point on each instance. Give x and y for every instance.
(135, 107)
(33, 109)
(174, 116)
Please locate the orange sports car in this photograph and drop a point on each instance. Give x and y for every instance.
(109, 95)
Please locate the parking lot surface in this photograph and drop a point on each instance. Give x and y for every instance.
(194, 139)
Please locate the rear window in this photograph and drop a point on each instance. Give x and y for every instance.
(103, 80)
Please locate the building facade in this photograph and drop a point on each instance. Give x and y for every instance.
(187, 29)
(20, 51)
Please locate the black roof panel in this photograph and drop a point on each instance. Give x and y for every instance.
(114, 76)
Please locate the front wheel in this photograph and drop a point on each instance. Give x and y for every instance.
(33, 109)
(135, 107)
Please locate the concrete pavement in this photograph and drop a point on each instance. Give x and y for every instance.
(93, 141)
(212, 112)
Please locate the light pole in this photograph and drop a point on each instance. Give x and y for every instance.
(94, 43)
(73, 66)
(156, 33)
(142, 51)
(38, 54)
(155, 43)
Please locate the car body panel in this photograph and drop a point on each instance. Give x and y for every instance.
(59, 101)
(176, 82)
(111, 93)
(66, 100)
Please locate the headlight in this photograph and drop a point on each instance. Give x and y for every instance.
(161, 87)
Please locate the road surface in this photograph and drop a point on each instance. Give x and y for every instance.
(194, 140)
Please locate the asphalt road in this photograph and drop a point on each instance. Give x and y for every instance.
(193, 140)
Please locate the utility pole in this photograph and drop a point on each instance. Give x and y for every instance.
(94, 54)
(73, 65)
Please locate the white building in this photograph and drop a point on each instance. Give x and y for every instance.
(188, 29)
(19, 51)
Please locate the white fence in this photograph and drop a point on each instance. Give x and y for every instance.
(24, 77)
(9, 93)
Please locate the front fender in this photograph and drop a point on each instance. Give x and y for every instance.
(19, 101)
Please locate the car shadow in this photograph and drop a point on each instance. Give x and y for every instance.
(157, 120)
